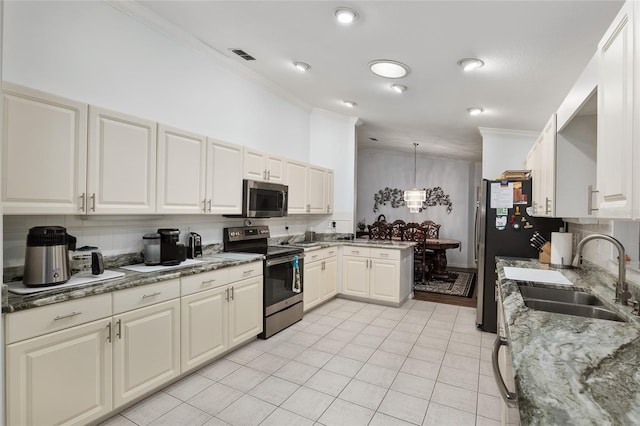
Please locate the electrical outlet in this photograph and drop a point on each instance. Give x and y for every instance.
(333, 224)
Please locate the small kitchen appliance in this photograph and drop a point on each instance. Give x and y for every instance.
(263, 199)
(195, 245)
(151, 249)
(171, 251)
(46, 260)
(87, 258)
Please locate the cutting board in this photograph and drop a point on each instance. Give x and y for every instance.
(535, 275)
(77, 280)
(141, 267)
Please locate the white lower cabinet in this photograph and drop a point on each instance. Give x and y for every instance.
(146, 350)
(320, 277)
(376, 274)
(60, 378)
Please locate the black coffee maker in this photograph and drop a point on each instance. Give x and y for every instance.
(171, 251)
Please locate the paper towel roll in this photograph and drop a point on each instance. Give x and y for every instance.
(561, 249)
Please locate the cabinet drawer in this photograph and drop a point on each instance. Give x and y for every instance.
(357, 251)
(237, 273)
(137, 297)
(46, 319)
(385, 254)
(205, 281)
(314, 255)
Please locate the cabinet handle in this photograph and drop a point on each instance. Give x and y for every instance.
(226, 295)
(328, 209)
(264, 174)
(119, 332)
(83, 200)
(207, 283)
(157, 293)
(331, 253)
(384, 254)
(232, 293)
(247, 272)
(547, 209)
(204, 205)
(72, 314)
(509, 397)
(314, 256)
(355, 252)
(268, 174)
(93, 202)
(209, 203)
(323, 265)
(109, 332)
(590, 191)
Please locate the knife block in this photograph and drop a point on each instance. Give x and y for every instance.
(545, 254)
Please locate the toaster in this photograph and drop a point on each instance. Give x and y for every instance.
(195, 246)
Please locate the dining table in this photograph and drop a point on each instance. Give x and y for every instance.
(440, 247)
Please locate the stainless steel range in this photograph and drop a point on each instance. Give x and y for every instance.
(283, 277)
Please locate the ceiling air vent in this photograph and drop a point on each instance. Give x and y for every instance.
(244, 55)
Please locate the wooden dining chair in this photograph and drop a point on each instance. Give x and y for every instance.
(379, 231)
(416, 233)
(396, 229)
(432, 230)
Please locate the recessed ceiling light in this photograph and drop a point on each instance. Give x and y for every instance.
(399, 88)
(389, 69)
(346, 15)
(302, 66)
(470, 64)
(350, 104)
(475, 111)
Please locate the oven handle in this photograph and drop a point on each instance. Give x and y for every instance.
(282, 260)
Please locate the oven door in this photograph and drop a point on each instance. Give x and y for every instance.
(278, 283)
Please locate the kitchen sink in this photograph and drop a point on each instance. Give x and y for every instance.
(588, 311)
(568, 302)
(559, 295)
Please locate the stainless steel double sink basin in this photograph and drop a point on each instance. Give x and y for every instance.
(569, 302)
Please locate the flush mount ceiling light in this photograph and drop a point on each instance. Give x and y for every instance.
(470, 64)
(350, 104)
(346, 15)
(399, 88)
(413, 198)
(389, 69)
(301, 66)
(475, 111)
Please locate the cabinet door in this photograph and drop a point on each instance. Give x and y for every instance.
(316, 192)
(122, 163)
(355, 276)
(385, 280)
(275, 169)
(146, 350)
(548, 165)
(329, 191)
(615, 117)
(297, 181)
(329, 285)
(60, 378)
(245, 310)
(44, 155)
(181, 171)
(204, 326)
(312, 284)
(224, 178)
(255, 166)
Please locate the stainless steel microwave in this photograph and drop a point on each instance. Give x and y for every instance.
(264, 199)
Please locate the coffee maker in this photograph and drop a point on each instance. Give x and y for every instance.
(171, 251)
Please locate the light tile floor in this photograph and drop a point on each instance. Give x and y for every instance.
(345, 363)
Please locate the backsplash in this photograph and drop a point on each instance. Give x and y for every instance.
(117, 235)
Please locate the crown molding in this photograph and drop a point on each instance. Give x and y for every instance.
(157, 23)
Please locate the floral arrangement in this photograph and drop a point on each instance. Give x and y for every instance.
(395, 196)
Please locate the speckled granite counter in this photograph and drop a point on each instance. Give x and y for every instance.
(572, 370)
(14, 302)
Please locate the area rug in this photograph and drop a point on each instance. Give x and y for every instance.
(458, 284)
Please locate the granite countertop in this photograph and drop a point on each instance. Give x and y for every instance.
(392, 244)
(572, 370)
(14, 302)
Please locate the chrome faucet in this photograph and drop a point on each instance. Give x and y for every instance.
(622, 289)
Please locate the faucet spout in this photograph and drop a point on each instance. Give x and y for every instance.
(622, 293)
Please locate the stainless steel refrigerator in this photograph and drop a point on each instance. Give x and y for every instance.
(504, 226)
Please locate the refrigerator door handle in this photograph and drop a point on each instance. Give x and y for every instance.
(476, 234)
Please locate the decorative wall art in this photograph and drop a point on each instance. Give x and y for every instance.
(435, 197)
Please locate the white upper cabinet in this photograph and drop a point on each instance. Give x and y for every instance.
(316, 191)
(616, 116)
(297, 180)
(224, 178)
(308, 191)
(181, 171)
(44, 152)
(121, 163)
(543, 171)
(329, 191)
(263, 167)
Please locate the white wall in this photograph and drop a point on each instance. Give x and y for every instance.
(95, 53)
(378, 169)
(504, 150)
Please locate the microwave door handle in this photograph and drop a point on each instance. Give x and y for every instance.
(284, 198)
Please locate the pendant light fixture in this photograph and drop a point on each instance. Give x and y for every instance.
(415, 197)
